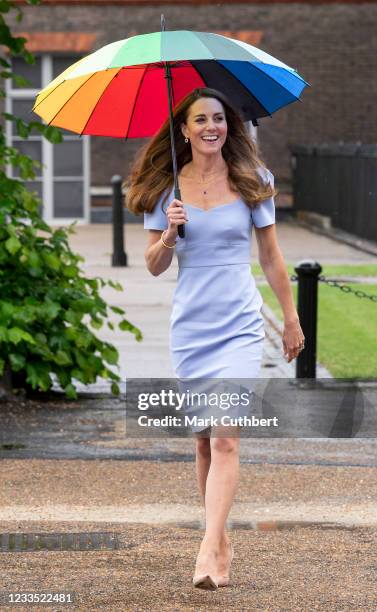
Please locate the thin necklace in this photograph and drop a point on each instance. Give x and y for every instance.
(214, 176)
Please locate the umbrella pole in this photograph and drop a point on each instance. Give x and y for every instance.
(168, 77)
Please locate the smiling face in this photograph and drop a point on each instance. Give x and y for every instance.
(206, 126)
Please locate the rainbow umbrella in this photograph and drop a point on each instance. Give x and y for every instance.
(127, 89)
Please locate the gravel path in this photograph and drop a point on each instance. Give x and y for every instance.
(297, 570)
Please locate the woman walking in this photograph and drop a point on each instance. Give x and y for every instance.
(217, 329)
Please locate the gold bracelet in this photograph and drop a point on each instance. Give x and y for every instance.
(164, 243)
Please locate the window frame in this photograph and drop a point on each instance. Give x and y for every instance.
(47, 171)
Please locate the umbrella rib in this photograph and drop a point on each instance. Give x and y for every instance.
(136, 97)
(95, 106)
(66, 102)
(272, 79)
(240, 83)
(248, 90)
(62, 83)
(277, 82)
(45, 98)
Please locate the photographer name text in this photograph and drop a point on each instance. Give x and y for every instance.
(226, 420)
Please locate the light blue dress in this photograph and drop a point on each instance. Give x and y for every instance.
(216, 326)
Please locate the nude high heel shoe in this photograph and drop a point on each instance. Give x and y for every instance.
(205, 581)
(224, 580)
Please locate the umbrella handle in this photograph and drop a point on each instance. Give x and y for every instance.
(181, 228)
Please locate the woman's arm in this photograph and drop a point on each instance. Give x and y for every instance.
(275, 270)
(158, 257)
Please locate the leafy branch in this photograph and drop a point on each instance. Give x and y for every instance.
(49, 310)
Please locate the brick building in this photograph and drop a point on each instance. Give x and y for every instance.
(331, 44)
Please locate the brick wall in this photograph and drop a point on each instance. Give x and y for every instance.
(333, 46)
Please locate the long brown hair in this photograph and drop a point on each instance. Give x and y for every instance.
(152, 171)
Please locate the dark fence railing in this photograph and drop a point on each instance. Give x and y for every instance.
(338, 181)
(308, 276)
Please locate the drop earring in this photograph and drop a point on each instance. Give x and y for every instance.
(186, 139)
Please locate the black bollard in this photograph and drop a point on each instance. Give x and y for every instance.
(307, 300)
(119, 256)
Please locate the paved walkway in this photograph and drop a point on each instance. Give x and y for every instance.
(148, 299)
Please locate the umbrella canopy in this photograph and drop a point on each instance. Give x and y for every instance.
(120, 90)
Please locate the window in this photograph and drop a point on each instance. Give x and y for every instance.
(63, 182)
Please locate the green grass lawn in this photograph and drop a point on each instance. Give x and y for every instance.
(347, 328)
(332, 270)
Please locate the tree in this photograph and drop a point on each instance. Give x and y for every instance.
(48, 308)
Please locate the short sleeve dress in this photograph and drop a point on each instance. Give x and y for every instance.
(216, 326)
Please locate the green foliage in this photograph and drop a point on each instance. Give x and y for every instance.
(48, 308)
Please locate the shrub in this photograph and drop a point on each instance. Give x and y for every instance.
(48, 308)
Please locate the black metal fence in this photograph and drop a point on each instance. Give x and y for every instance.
(308, 276)
(338, 181)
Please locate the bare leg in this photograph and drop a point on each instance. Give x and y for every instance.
(220, 489)
(203, 462)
